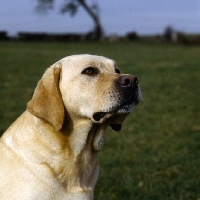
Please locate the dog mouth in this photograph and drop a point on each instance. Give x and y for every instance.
(116, 114)
(97, 116)
(114, 110)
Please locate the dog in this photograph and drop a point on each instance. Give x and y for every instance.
(50, 151)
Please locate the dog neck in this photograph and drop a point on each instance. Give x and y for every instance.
(85, 140)
(84, 134)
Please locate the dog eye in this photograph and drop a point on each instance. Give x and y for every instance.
(91, 71)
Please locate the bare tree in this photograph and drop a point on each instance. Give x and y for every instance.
(168, 33)
(71, 7)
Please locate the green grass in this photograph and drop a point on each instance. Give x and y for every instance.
(157, 153)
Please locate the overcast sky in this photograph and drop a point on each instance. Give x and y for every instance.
(117, 16)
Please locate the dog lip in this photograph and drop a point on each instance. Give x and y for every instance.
(98, 115)
(116, 127)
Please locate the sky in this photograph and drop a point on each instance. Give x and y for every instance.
(117, 16)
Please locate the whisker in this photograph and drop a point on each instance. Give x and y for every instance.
(144, 105)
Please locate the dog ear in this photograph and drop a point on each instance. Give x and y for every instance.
(46, 102)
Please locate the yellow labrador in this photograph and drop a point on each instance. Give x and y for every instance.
(50, 151)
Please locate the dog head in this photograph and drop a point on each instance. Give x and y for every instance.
(85, 86)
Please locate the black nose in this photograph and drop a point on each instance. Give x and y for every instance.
(128, 81)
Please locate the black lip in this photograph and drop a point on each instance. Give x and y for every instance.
(98, 115)
(116, 127)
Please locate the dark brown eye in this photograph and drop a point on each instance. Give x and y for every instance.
(91, 71)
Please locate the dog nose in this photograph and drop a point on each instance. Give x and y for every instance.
(128, 81)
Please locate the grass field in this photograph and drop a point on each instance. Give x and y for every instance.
(156, 156)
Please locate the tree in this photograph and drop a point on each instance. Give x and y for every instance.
(72, 6)
(168, 33)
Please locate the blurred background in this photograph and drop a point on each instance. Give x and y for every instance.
(156, 155)
(93, 19)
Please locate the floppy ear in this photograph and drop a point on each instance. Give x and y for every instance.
(46, 102)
